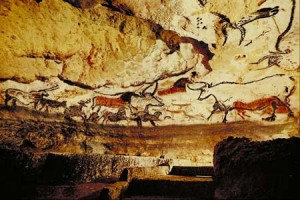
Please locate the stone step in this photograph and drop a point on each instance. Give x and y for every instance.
(77, 191)
(171, 186)
(135, 172)
(152, 197)
(60, 169)
(192, 171)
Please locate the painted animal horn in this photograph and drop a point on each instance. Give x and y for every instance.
(144, 91)
(205, 85)
(155, 89)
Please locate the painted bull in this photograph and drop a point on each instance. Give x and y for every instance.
(225, 93)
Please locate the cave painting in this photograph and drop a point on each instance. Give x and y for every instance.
(280, 88)
(171, 75)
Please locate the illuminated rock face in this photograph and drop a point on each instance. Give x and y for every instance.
(246, 52)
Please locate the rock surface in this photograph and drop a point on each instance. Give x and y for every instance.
(108, 47)
(257, 170)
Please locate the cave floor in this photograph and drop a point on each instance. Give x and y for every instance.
(120, 147)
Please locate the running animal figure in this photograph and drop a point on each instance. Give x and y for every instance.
(224, 93)
(113, 117)
(259, 14)
(146, 116)
(136, 102)
(49, 103)
(178, 86)
(273, 104)
(76, 111)
(26, 98)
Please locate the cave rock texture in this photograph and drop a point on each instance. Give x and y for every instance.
(257, 170)
(116, 46)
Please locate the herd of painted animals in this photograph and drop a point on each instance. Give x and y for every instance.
(135, 106)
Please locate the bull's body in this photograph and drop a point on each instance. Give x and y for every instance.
(229, 92)
(108, 102)
(171, 90)
(225, 93)
(25, 98)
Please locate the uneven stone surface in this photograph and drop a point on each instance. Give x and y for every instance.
(172, 187)
(81, 46)
(257, 170)
(90, 87)
(29, 170)
(110, 47)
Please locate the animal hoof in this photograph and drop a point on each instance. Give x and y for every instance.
(269, 119)
(274, 11)
(291, 115)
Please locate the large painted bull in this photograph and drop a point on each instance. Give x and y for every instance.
(226, 92)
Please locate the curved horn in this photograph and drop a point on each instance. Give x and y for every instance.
(155, 89)
(144, 90)
(205, 85)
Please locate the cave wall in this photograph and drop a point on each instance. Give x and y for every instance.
(246, 50)
(246, 169)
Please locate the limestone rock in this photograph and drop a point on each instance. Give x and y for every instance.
(257, 170)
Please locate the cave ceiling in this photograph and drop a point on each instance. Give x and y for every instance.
(173, 61)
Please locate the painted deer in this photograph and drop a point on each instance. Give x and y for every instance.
(178, 87)
(113, 117)
(226, 92)
(259, 14)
